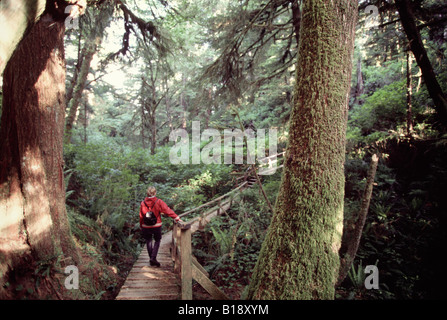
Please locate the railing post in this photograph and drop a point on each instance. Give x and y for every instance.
(173, 243)
(186, 261)
(202, 221)
(177, 247)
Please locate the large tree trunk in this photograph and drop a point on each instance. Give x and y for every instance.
(15, 17)
(33, 220)
(299, 258)
(417, 47)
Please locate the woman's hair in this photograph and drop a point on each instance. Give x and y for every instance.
(151, 191)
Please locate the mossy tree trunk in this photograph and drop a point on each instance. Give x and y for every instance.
(299, 258)
(33, 221)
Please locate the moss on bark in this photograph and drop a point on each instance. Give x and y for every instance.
(299, 257)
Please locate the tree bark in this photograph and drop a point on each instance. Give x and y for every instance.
(353, 240)
(183, 102)
(168, 104)
(153, 123)
(299, 256)
(15, 17)
(33, 220)
(153, 115)
(417, 47)
(296, 19)
(360, 85)
(95, 33)
(81, 79)
(150, 105)
(409, 93)
(143, 126)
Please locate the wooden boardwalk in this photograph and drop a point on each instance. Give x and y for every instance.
(152, 283)
(162, 283)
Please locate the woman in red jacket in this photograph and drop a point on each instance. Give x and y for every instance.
(158, 207)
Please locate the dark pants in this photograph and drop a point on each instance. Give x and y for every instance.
(152, 248)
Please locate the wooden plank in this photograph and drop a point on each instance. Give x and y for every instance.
(186, 274)
(176, 249)
(151, 284)
(146, 282)
(147, 295)
(204, 220)
(208, 285)
(173, 242)
(266, 171)
(199, 266)
(212, 201)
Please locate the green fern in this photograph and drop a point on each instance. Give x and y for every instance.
(357, 277)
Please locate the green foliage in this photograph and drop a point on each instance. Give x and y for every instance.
(380, 112)
(107, 180)
(107, 172)
(402, 227)
(357, 277)
(229, 246)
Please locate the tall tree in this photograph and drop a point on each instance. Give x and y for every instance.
(93, 34)
(409, 93)
(408, 21)
(359, 88)
(299, 257)
(33, 221)
(150, 103)
(248, 31)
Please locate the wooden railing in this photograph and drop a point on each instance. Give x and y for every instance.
(185, 264)
(273, 163)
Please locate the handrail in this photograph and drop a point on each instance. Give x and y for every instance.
(272, 156)
(266, 161)
(212, 201)
(185, 264)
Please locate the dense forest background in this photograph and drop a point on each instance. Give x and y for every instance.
(137, 70)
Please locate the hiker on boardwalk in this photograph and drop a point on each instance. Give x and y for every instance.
(152, 229)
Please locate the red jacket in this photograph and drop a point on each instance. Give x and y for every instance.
(160, 208)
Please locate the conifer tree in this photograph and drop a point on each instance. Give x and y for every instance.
(299, 257)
